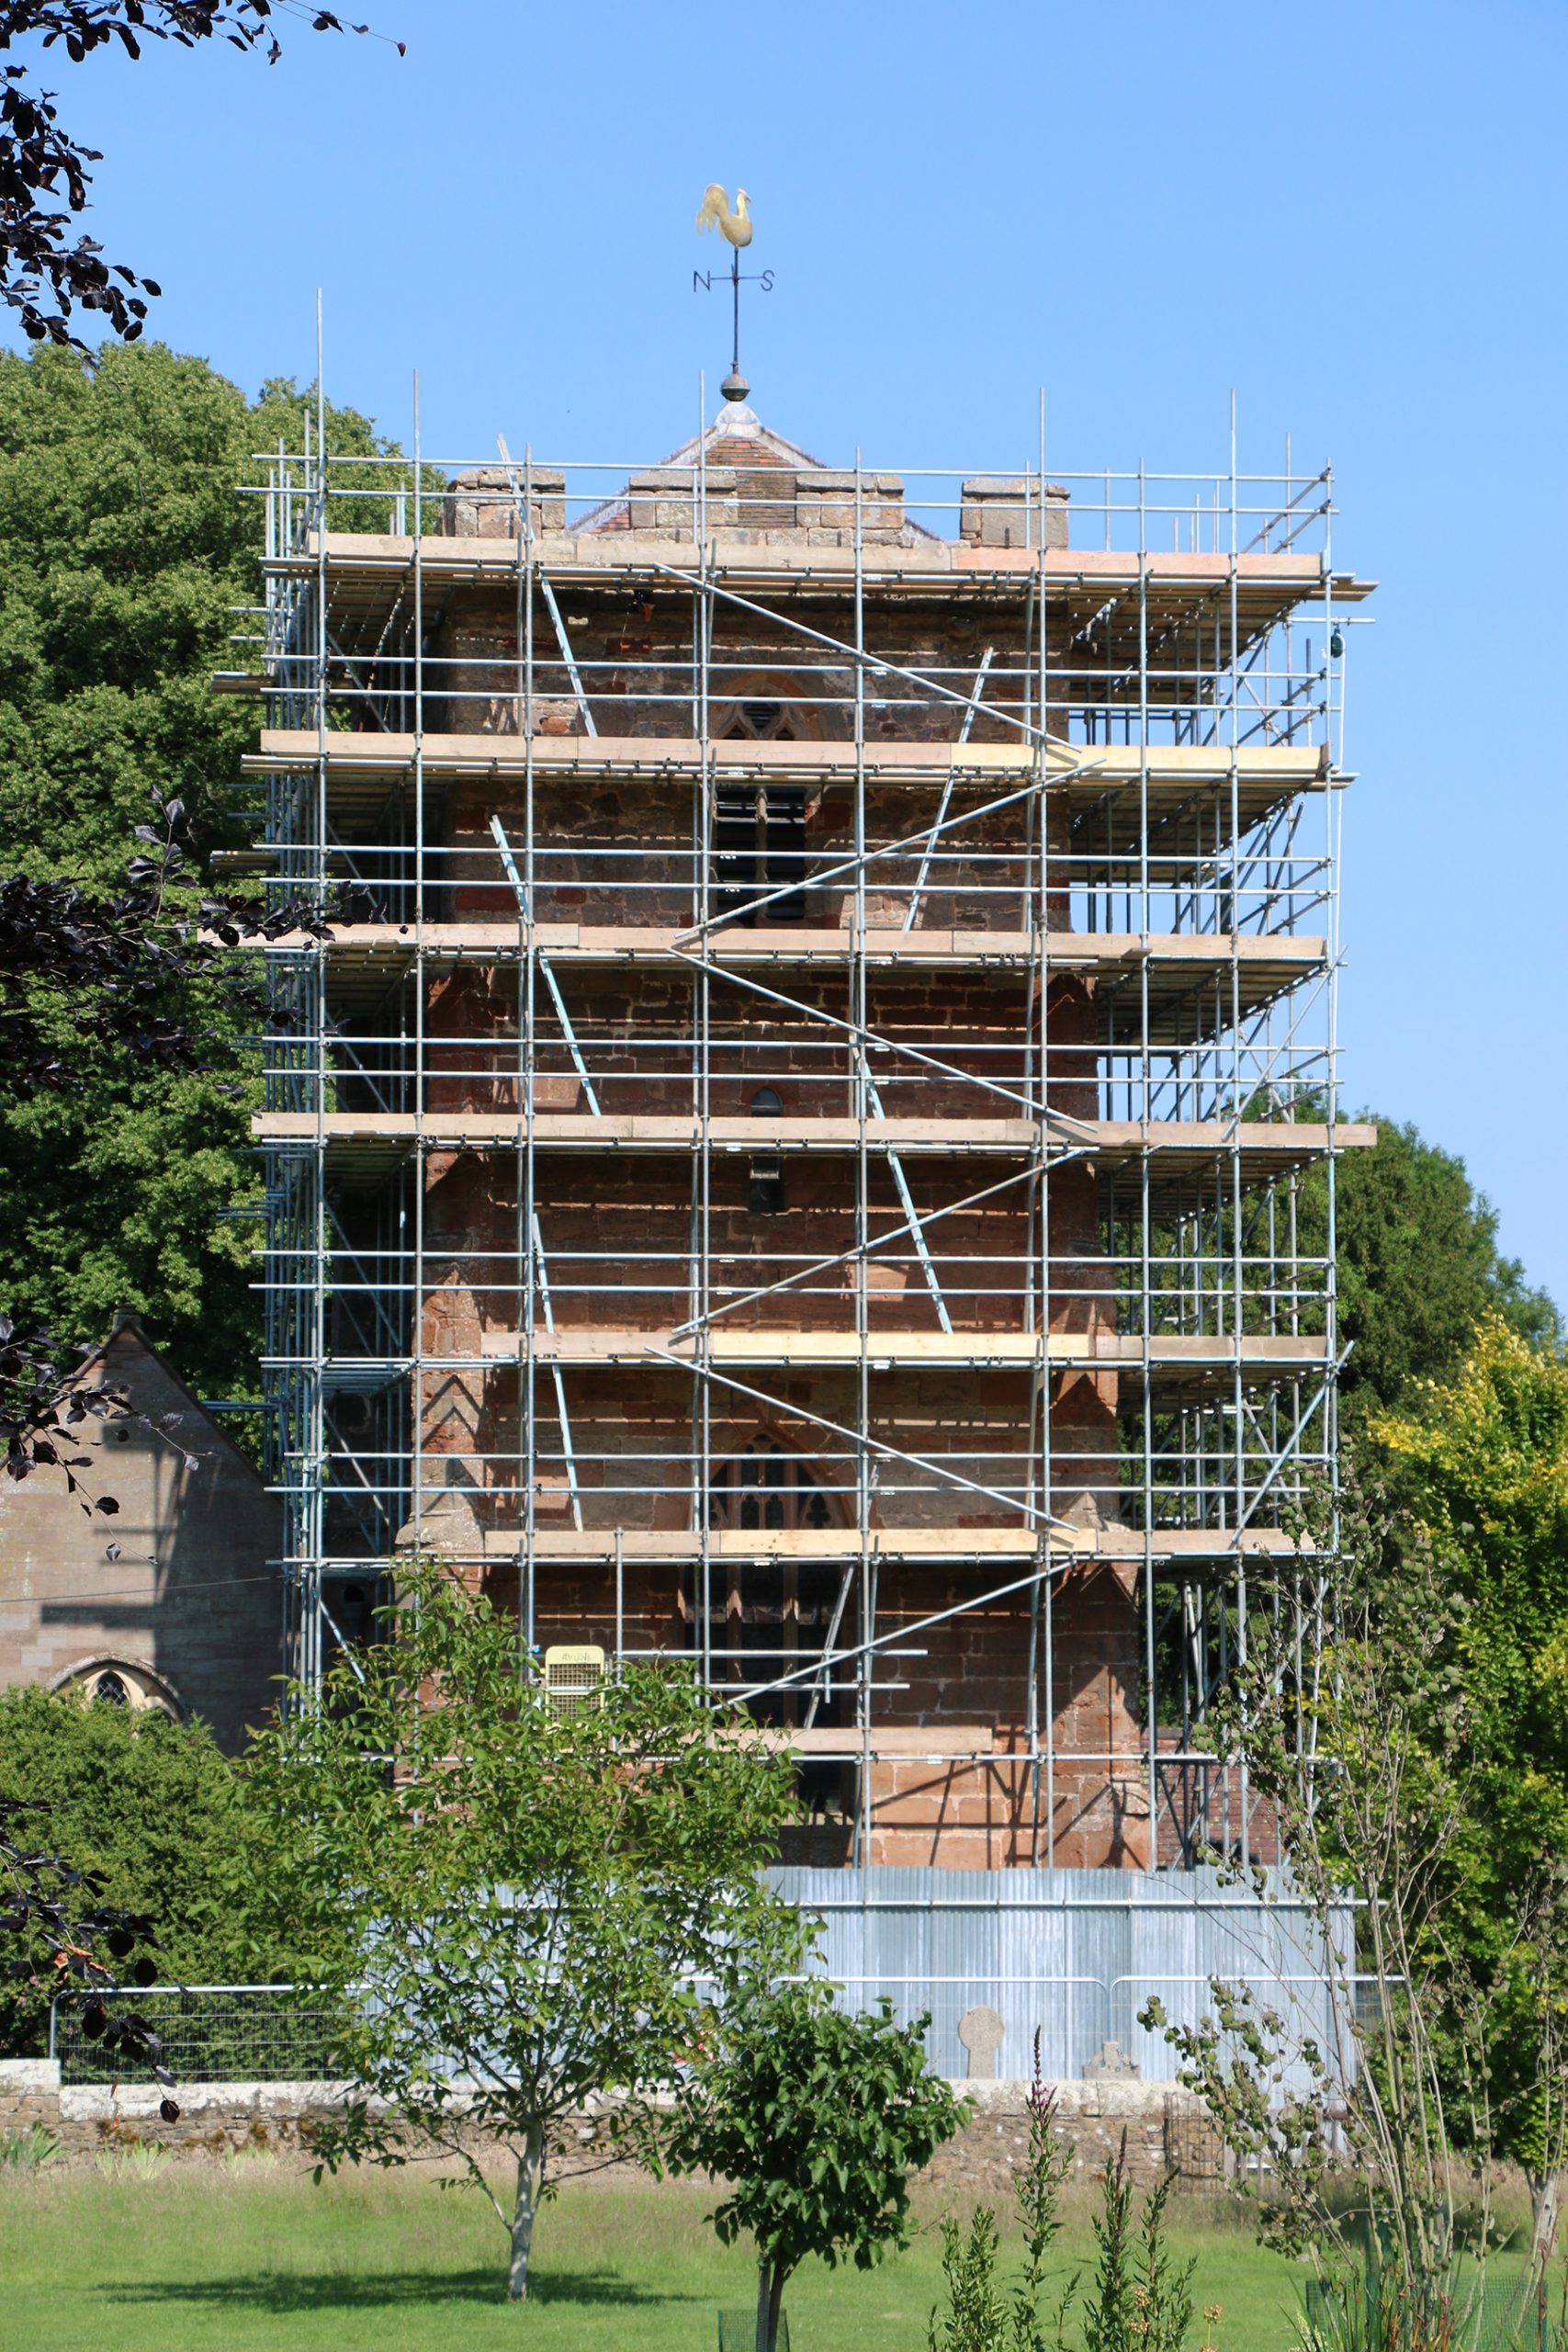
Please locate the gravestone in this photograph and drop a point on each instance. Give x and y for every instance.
(1112, 2063)
(982, 2032)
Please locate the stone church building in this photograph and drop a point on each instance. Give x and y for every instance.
(188, 1616)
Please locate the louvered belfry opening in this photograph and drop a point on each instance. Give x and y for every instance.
(760, 828)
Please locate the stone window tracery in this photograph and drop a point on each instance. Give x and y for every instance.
(122, 1682)
(764, 1487)
(760, 821)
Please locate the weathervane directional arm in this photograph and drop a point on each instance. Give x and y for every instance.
(735, 227)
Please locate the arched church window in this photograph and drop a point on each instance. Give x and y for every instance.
(769, 1619)
(760, 823)
(349, 1617)
(122, 1682)
(353, 1612)
(765, 1487)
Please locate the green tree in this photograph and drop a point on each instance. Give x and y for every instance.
(156, 1813)
(815, 2119)
(1418, 1264)
(539, 1905)
(1363, 1728)
(1482, 1462)
(125, 547)
(1482, 1459)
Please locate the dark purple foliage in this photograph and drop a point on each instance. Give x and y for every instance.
(123, 962)
(68, 1938)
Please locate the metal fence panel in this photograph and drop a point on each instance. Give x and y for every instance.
(212, 2033)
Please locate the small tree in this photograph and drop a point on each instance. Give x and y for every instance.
(44, 178)
(1361, 1739)
(817, 2120)
(538, 1905)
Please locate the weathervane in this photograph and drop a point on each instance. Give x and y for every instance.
(736, 227)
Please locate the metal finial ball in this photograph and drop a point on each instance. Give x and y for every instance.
(735, 386)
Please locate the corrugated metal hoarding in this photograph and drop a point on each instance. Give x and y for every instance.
(1071, 1954)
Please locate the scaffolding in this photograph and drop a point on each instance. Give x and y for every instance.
(823, 1146)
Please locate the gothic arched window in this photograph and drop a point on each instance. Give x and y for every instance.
(759, 820)
(762, 1487)
(769, 1617)
(122, 1682)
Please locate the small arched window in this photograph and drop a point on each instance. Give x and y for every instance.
(122, 1682)
(349, 1617)
(353, 1612)
(766, 1196)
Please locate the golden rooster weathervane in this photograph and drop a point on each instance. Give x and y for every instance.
(736, 228)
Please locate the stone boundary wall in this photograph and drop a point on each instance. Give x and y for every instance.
(216, 2118)
(1164, 2127)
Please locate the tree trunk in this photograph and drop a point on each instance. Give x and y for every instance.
(530, 2182)
(1545, 2197)
(770, 2296)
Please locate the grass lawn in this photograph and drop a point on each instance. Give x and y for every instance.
(256, 2255)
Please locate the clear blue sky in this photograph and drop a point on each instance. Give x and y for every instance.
(1354, 216)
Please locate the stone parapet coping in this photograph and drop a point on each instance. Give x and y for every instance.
(138, 2102)
(28, 2077)
(1079, 2100)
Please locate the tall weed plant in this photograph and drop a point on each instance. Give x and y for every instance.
(1140, 2299)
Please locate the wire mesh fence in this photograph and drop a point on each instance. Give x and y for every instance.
(737, 2332)
(212, 2033)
